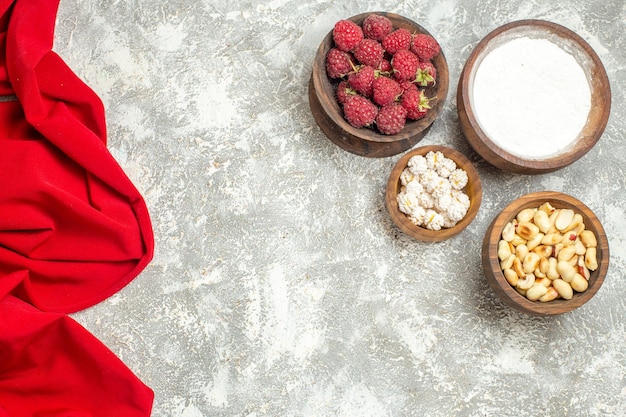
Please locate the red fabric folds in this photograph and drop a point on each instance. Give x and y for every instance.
(68, 213)
(73, 231)
(53, 367)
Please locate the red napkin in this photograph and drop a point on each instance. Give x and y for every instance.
(73, 230)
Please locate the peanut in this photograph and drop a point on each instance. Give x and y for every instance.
(552, 218)
(521, 251)
(508, 262)
(551, 239)
(579, 283)
(547, 208)
(546, 282)
(552, 272)
(591, 261)
(542, 220)
(564, 219)
(511, 277)
(577, 220)
(518, 268)
(582, 268)
(566, 253)
(544, 251)
(588, 238)
(527, 230)
(504, 250)
(536, 291)
(534, 242)
(563, 288)
(552, 294)
(518, 240)
(531, 262)
(526, 215)
(526, 283)
(566, 271)
(508, 232)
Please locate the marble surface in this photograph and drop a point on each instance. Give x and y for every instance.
(280, 286)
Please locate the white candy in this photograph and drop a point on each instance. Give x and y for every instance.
(433, 220)
(434, 159)
(407, 176)
(458, 179)
(446, 167)
(407, 202)
(414, 187)
(417, 164)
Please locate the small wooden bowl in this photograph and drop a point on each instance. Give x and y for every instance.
(366, 141)
(473, 189)
(495, 276)
(596, 76)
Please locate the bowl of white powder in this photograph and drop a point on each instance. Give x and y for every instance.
(533, 97)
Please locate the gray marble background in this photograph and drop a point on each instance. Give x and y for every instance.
(280, 286)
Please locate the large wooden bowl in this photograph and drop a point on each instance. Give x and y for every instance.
(495, 276)
(596, 76)
(473, 189)
(366, 141)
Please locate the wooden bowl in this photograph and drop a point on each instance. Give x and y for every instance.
(495, 276)
(366, 141)
(596, 77)
(473, 189)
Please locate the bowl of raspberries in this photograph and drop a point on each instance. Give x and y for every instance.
(378, 83)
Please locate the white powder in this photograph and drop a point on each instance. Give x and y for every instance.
(531, 97)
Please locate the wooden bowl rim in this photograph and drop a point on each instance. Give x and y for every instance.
(321, 82)
(495, 276)
(473, 189)
(597, 77)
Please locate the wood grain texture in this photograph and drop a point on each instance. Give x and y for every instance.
(491, 263)
(586, 57)
(365, 141)
(473, 189)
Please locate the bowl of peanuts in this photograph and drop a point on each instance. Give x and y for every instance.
(546, 253)
(433, 193)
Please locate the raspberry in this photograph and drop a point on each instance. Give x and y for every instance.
(347, 35)
(415, 103)
(385, 65)
(396, 40)
(391, 119)
(377, 27)
(405, 64)
(362, 80)
(426, 74)
(407, 85)
(338, 63)
(344, 91)
(385, 91)
(425, 46)
(369, 52)
(360, 111)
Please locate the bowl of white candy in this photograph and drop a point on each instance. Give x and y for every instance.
(433, 193)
